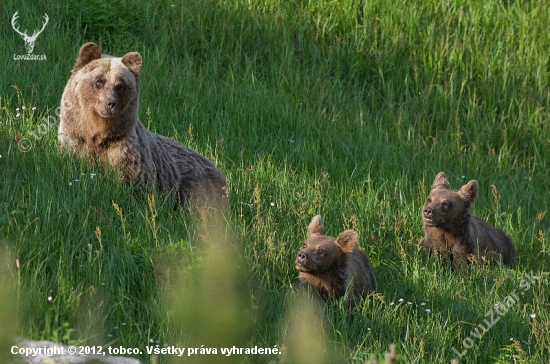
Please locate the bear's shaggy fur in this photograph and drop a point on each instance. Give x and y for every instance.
(450, 230)
(100, 122)
(333, 266)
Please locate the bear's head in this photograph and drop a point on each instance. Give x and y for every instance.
(445, 207)
(321, 253)
(104, 86)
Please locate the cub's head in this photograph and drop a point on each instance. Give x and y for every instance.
(105, 86)
(447, 208)
(320, 253)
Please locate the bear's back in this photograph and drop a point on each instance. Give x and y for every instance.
(491, 241)
(359, 274)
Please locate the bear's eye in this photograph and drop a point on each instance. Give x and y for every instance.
(99, 84)
(119, 88)
(429, 200)
(321, 251)
(446, 205)
(304, 245)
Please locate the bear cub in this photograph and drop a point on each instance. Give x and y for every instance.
(450, 230)
(100, 122)
(334, 266)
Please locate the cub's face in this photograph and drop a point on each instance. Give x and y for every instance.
(320, 253)
(447, 208)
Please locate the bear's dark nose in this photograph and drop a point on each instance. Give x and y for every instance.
(112, 104)
(302, 257)
(428, 213)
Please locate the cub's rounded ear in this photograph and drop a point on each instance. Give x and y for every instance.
(347, 240)
(315, 226)
(133, 61)
(88, 52)
(440, 182)
(468, 192)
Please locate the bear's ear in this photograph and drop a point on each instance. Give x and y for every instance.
(468, 192)
(315, 226)
(88, 52)
(440, 182)
(347, 240)
(133, 61)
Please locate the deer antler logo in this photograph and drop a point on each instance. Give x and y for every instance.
(29, 40)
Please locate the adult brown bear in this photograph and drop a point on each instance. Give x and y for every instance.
(100, 122)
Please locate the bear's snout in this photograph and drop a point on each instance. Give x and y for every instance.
(428, 213)
(108, 108)
(111, 105)
(301, 258)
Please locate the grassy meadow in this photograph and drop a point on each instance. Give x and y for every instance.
(344, 108)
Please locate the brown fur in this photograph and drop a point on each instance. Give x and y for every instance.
(331, 266)
(100, 122)
(451, 231)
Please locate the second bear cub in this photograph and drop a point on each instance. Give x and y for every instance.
(332, 266)
(451, 230)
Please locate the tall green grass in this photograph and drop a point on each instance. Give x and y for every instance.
(345, 108)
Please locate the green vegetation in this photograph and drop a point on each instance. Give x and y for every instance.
(346, 108)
